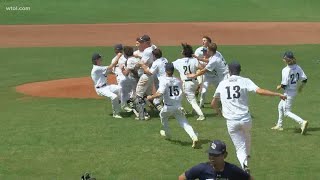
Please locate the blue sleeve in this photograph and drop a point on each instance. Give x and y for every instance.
(194, 172)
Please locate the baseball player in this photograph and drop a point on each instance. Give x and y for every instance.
(122, 80)
(157, 69)
(145, 83)
(291, 75)
(201, 52)
(233, 94)
(171, 90)
(99, 75)
(215, 71)
(189, 65)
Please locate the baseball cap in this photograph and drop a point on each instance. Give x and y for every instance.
(234, 67)
(217, 147)
(169, 67)
(288, 54)
(96, 56)
(144, 38)
(118, 47)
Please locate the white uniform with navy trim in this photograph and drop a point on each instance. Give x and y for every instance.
(291, 75)
(145, 83)
(99, 78)
(171, 89)
(233, 93)
(199, 53)
(158, 69)
(217, 71)
(189, 66)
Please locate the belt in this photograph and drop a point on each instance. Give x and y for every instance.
(103, 85)
(190, 80)
(167, 104)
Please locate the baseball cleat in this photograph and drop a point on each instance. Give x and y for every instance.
(127, 109)
(164, 134)
(279, 128)
(117, 116)
(304, 126)
(246, 169)
(201, 118)
(182, 110)
(195, 142)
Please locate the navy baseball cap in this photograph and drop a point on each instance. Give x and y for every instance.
(144, 38)
(234, 67)
(96, 56)
(118, 47)
(217, 147)
(169, 67)
(288, 55)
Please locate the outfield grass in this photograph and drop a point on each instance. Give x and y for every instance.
(106, 11)
(45, 138)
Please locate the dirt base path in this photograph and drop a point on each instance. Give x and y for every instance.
(224, 33)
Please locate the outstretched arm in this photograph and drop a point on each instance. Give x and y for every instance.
(265, 92)
(156, 95)
(199, 73)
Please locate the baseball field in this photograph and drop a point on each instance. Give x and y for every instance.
(54, 126)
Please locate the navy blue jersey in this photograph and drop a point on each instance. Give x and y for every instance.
(205, 171)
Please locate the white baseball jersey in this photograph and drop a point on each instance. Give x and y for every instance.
(131, 65)
(291, 75)
(117, 68)
(99, 75)
(147, 57)
(233, 93)
(186, 66)
(171, 88)
(158, 67)
(217, 66)
(138, 53)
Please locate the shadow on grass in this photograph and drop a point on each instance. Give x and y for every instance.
(298, 130)
(189, 143)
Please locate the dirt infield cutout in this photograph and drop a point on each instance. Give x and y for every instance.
(224, 33)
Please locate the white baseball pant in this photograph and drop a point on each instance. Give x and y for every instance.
(111, 91)
(207, 80)
(128, 87)
(175, 111)
(239, 131)
(284, 109)
(189, 88)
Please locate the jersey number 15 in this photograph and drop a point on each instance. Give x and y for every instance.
(174, 91)
(236, 93)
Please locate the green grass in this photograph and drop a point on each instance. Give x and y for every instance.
(45, 138)
(106, 11)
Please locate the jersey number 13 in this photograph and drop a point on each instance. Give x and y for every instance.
(235, 94)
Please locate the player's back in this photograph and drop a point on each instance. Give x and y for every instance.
(186, 66)
(291, 75)
(172, 95)
(234, 96)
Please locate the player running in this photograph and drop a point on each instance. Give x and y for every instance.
(171, 90)
(233, 94)
(189, 65)
(291, 75)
